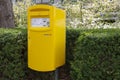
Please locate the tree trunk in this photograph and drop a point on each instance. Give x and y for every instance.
(6, 14)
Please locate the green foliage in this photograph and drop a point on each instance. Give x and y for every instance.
(97, 55)
(86, 65)
(13, 55)
(72, 35)
(12, 52)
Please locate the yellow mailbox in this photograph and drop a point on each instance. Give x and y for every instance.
(46, 37)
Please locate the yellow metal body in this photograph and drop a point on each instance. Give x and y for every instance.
(46, 45)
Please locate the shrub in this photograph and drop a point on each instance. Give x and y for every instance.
(97, 55)
(86, 65)
(72, 35)
(13, 56)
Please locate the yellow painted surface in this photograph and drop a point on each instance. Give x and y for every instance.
(46, 45)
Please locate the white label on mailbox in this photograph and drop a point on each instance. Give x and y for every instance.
(40, 22)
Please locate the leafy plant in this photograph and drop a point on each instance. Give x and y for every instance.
(97, 55)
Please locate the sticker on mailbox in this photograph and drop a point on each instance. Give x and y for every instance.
(40, 22)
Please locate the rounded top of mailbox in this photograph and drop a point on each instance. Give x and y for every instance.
(40, 6)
